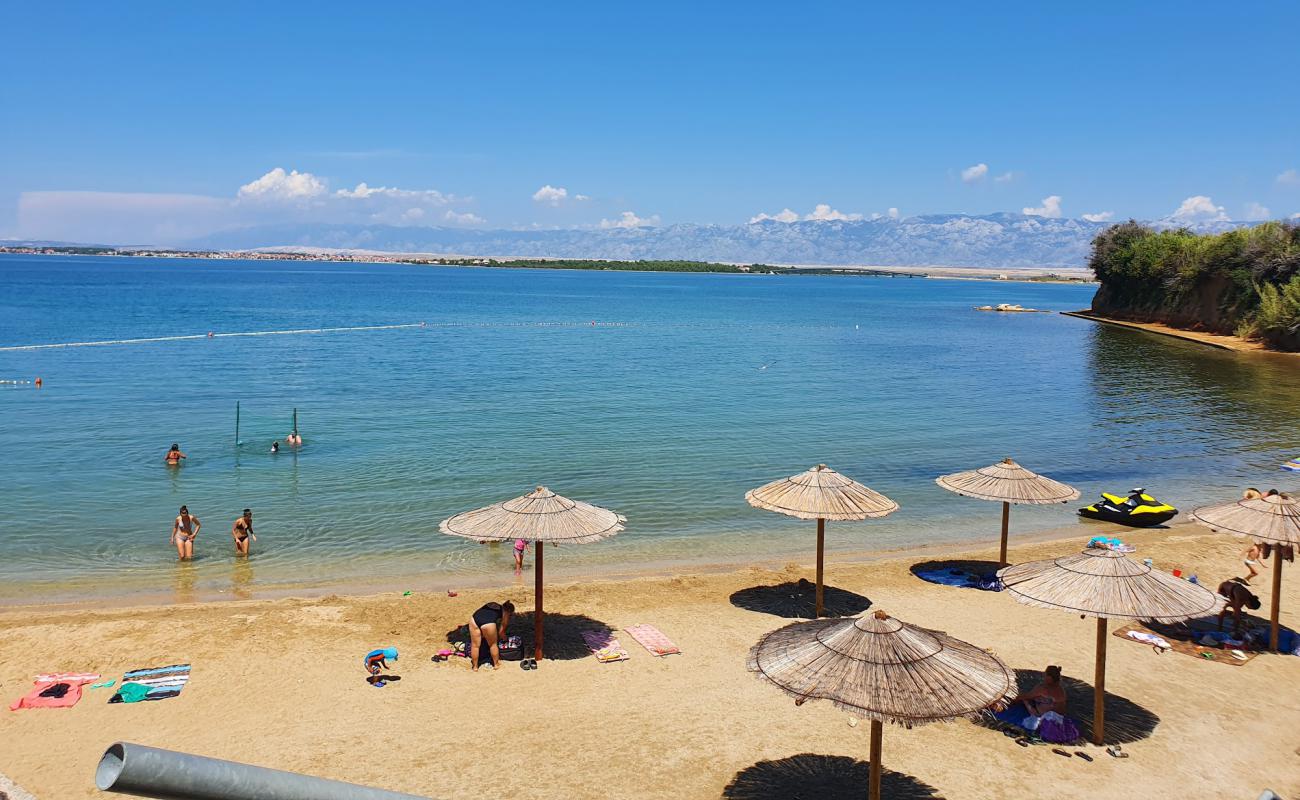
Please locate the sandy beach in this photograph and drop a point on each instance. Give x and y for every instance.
(279, 683)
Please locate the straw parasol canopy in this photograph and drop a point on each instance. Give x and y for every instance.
(821, 493)
(1107, 585)
(1007, 482)
(1274, 519)
(882, 669)
(541, 516)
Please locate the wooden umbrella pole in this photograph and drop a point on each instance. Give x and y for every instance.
(537, 595)
(821, 543)
(1006, 519)
(877, 731)
(1275, 606)
(1099, 686)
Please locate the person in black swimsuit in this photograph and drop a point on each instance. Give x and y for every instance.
(489, 623)
(242, 530)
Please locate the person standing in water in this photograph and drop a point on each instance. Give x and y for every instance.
(185, 529)
(174, 455)
(520, 546)
(242, 530)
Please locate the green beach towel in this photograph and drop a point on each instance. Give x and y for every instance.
(131, 693)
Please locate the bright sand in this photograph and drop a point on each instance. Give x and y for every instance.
(279, 683)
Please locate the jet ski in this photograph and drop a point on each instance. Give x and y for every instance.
(1139, 509)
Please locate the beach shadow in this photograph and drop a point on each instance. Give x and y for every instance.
(563, 635)
(1126, 721)
(814, 777)
(797, 600)
(956, 572)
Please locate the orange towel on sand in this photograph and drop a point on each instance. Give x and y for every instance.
(57, 699)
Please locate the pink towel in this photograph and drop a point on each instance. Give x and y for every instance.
(652, 639)
(604, 646)
(74, 680)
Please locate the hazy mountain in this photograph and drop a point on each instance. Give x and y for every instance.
(992, 240)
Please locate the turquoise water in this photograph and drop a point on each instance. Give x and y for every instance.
(688, 390)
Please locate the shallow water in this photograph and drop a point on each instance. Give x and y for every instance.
(687, 391)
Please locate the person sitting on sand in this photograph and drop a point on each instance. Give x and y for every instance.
(1237, 596)
(174, 455)
(1047, 696)
(184, 530)
(242, 530)
(489, 623)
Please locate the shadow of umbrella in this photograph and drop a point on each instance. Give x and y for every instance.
(950, 571)
(563, 635)
(1126, 721)
(814, 777)
(798, 600)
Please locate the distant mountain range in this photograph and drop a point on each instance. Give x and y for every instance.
(956, 240)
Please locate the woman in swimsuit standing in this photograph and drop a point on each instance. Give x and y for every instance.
(184, 530)
(174, 456)
(242, 530)
(489, 622)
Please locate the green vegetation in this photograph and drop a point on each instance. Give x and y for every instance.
(1244, 281)
(634, 266)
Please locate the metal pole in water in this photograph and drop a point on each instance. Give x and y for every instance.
(295, 422)
(236, 423)
(167, 775)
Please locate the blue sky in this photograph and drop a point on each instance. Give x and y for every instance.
(139, 118)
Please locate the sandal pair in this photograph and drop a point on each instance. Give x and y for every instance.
(528, 663)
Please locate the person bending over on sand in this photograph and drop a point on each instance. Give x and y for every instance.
(174, 456)
(489, 624)
(1237, 596)
(242, 530)
(1047, 696)
(184, 530)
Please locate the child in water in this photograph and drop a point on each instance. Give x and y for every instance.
(520, 547)
(376, 662)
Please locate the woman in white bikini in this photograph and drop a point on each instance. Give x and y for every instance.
(184, 529)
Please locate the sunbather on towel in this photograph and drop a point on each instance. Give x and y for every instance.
(1237, 595)
(489, 624)
(1047, 696)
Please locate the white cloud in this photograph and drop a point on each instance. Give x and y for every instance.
(824, 213)
(1100, 216)
(1296, 215)
(785, 215)
(413, 214)
(365, 192)
(629, 220)
(1199, 208)
(892, 213)
(975, 173)
(1289, 177)
(466, 218)
(1051, 208)
(581, 197)
(1256, 212)
(1005, 177)
(280, 185)
(550, 195)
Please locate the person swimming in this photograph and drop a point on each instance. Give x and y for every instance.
(242, 530)
(185, 529)
(275, 446)
(293, 439)
(174, 455)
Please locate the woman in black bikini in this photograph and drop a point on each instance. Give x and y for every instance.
(489, 622)
(242, 530)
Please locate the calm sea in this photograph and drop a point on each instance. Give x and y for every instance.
(663, 396)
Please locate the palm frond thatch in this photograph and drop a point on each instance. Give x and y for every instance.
(821, 493)
(1008, 482)
(539, 516)
(882, 669)
(1275, 518)
(1106, 584)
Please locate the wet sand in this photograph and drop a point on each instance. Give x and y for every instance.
(279, 683)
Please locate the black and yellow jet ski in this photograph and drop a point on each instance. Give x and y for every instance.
(1139, 509)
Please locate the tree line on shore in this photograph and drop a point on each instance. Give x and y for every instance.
(1244, 282)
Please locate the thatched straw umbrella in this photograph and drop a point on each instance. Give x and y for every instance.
(884, 670)
(821, 493)
(543, 517)
(1007, 482)
(1106, 585)
(1274, 519)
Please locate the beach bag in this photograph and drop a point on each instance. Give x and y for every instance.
(1057, 729)
(511, 648)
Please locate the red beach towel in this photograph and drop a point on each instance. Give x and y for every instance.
(652, 639)
(57, 698)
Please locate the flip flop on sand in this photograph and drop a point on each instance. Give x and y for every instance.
(1116, 751)
(1083, 755)
(1061, 752)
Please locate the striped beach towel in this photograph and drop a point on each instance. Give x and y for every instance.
(161, 682)
(652, 639)
(604, 646)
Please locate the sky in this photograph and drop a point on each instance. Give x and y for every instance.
(157, 122)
